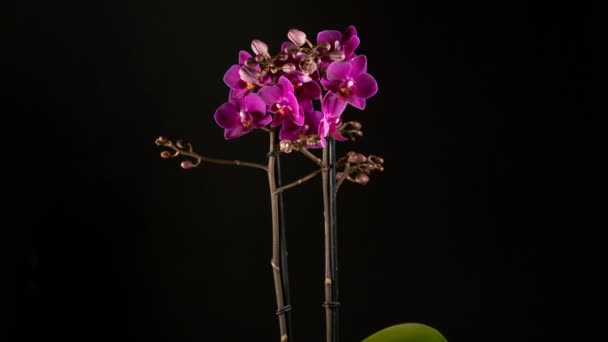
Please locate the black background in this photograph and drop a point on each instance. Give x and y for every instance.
(465, 230)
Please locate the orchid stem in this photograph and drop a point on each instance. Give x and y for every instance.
(276, 241)
(284, 254)
(311, 156)
(180, 150)
(233, 162)
(298, 182)
(333, 235)
(342, 177)
(331, 248)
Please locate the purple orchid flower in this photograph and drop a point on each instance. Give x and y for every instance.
(282, 101)
(232, 77)
(240, 116)
(314, 123)
(345, 43)
(332, 108)
(350, 81)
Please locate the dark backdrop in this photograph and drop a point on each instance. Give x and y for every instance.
(463, 231)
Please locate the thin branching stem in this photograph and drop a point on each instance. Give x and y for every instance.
(298, 182)
(186, 149)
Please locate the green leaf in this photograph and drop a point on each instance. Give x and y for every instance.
(407, 332)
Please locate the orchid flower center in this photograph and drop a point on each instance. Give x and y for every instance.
(304, 129)
(347, 87)
(245, 120)
(250, 86)
(282, 108)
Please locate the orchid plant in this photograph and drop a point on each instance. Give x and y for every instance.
(298, 96)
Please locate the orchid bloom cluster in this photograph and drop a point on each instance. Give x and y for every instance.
(270, 91)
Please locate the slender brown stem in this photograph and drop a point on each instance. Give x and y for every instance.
(343, 176)
(234, 162)
(310, 156)
(328, 275)
(298, 182)
(276, 247)
(188, 152)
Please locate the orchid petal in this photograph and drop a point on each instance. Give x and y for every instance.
(357, 102)
(226, 115)
(243, 57)
(338, 71)
(232, 77)
(253, 104)
(366, 85)
(270, 95)
(329, 36)
(359, 65)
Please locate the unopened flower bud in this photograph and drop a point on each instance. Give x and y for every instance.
(355, 125)
(376, 159)
(165, 154)
(259, 47)
(285, 146)
(161, 140)
(362, 178)
(288, 67)
(324, 46)
(308, 66)
(356, 158)
(180, 143)
(336, 56)
(282, 56)
(186, 164)
(292, 49)
(297, 37)
(248, 75)
(251, 62)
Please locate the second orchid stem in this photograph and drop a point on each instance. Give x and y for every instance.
(331, 303)
(276, 241)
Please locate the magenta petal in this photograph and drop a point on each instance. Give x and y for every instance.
(285, 45)
(232, 77)
(289, 131)
(329, 36)
(359, 65)
(227, 115)
(240, 92)
(253, 104)
(338, 136)
(237, 131)
(297, 113)
(306, 105)
(286, 85)
(350, 46)
(338, 71)
(357, 102)
(350, 32)
(312, 120)
(331, 85)
(366, 85)
(277, 119)
(323, 128)
(264, 120)
(310, 90)
(243, 56)
(270, 95)
(332, 106)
